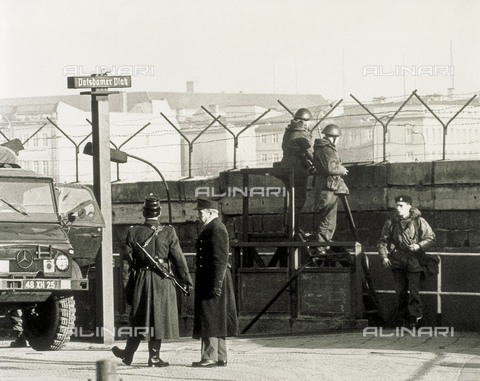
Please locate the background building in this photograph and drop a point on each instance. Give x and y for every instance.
(54, 131)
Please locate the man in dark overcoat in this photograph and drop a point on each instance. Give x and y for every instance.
(154, 314)
(215, 313)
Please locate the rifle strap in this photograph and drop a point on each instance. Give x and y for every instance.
(155, 232)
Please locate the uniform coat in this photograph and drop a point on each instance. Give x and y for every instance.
(328, 168)
(214, 316)
(399, 233)
(154, 304)
(297, 153)
(407, 266)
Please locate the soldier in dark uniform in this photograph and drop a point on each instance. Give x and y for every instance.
(328, 183)
(154, 314)
(297, 154)
(215, 313)
(405, 238)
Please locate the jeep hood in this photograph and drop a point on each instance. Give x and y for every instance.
(31, 233)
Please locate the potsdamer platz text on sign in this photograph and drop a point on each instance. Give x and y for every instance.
(99, 82)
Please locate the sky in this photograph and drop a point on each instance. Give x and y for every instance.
(331, 48)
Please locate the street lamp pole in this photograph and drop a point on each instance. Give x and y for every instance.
(419, 132)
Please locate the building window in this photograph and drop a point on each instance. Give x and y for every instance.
(43, 167)
(275, 138)
(370, 135)
(263, 158)
(44, 140)
(263, 138)
(276, 156)
(408, 135)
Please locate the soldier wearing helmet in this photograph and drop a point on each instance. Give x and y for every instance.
(328, 182)
(153, 299)
(297, 154)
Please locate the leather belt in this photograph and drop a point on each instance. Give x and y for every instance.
(159, 260)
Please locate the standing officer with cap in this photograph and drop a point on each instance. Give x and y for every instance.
(154, 313)
(328, 183)
(215, 313)
(405, 238)
(297, 154)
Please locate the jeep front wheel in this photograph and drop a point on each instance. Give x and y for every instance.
(50, 324)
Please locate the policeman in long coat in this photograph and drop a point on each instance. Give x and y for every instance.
(215, 314)
(154, 313)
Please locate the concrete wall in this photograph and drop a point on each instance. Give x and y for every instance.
(447, 193)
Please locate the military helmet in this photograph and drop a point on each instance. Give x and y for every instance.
(331, 130)
(151, 206)
(303, 114)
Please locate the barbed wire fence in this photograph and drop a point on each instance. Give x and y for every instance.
(358, 120)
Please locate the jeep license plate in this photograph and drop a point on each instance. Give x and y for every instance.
(39, 284)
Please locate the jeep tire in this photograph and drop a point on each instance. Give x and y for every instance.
(50, 324)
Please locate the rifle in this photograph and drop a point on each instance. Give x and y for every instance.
(163, 272)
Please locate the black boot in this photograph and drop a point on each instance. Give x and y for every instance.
(130, 348)
(154, 354)
(20, 342)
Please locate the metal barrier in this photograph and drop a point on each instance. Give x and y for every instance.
(439, 279)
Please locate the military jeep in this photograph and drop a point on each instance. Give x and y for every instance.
(40, 226)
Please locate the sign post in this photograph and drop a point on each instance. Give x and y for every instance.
(99, 85)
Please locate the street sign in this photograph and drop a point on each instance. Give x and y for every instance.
(99, 81)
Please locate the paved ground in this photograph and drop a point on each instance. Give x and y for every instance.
(332, 356)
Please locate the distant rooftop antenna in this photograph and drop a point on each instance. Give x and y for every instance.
(452, 71)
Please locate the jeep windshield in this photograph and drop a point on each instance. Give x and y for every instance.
(25, 200)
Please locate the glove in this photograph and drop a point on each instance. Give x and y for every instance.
(187, 288)
(217, 291)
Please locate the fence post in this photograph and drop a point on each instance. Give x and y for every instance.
(444, 125)
(285, 107)
(244, 129)
(190, 143)
(235, 137)
(77, 151)
(235, 143)
(326, 115)
(385, 125)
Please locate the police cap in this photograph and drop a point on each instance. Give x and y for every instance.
(151, 206)
(403, 198)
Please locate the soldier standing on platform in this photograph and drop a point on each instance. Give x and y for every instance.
(153, 299)
(328, 183)
(297, 154)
